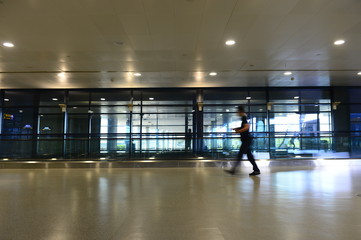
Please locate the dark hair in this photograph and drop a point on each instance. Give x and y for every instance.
(241, 108)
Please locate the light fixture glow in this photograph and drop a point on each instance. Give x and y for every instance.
(213, 74)
(8, 44)
(62, 74)
(54, 99)
(248, 98)
(151, 99)
(5, 159)
(227, 110)
(339, 42)
(359, 73)
(230, 42)
(287, 73)
(102, 99)
(137, 74)
(296, 97)
(6, 100)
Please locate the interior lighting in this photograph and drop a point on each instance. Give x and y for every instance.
(339, 42)
(296, 97)
(151, 99)
(6, 100)
(62, 74)
(137, 74)
(227, 110)
(213, 74)
(102, 99)
(359, 73)
(248, 98)
(54, 99)
(8, 44)
(5, 159)
(230, 42)
(54, 159)
(287, 73)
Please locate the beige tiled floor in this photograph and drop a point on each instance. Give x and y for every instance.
(291, 203)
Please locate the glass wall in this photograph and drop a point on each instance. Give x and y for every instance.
(122, 124)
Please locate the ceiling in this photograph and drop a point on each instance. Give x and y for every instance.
(177, 43)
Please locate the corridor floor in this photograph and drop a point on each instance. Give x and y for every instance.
(291, 203)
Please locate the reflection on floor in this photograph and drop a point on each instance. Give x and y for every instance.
(293, 203)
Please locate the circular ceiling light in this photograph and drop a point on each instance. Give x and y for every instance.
(8, 44)
(287, 73)
(102, 99)
(296, 97)
(137, 74)
(248, 98)
(54, 99)
(359, 73)
(151, 99)
(62, 74)
(213, 74)
(230, 42)
(339, 42)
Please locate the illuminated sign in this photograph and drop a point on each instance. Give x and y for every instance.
(8, 116)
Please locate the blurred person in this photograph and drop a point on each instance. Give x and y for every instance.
(245, 148)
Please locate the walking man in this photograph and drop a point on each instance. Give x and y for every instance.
(246, 144)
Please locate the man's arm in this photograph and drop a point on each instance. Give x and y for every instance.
(242, 129)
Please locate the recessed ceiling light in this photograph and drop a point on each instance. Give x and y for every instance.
(6, 100)
(227, 110)
(213, 74)
(102, 99)
(8, 44)
(296, 97)
(359, 73)
(62, 74)
(339, 42)
(20, 111)
(75, 107)
(248, 98)
(287, 73)
(230, 42)
(54, 99)
(151, 99)
(137, 74)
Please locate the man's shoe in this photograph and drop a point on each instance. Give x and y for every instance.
(230, 172)
(254, 173)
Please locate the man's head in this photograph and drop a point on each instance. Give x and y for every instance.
(241, 111)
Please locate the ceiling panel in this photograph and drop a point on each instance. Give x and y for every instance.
(177, 43)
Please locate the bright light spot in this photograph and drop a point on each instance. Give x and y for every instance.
(54, 99)
(102, 158)
(5, 159)
(62, 74)
(339, 42)
(230, 42)
(287, 73)
(152, 158)
(298, 156)
(227, 110)
(359, 73)
(6, 100)
(137, 74)
(213, 74)
(248, 98)
(102, 99)
(53, 159)
(8, 44)
(200, 157)
(151, 99)
(296, 97)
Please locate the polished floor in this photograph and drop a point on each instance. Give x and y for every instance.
(285, 202)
